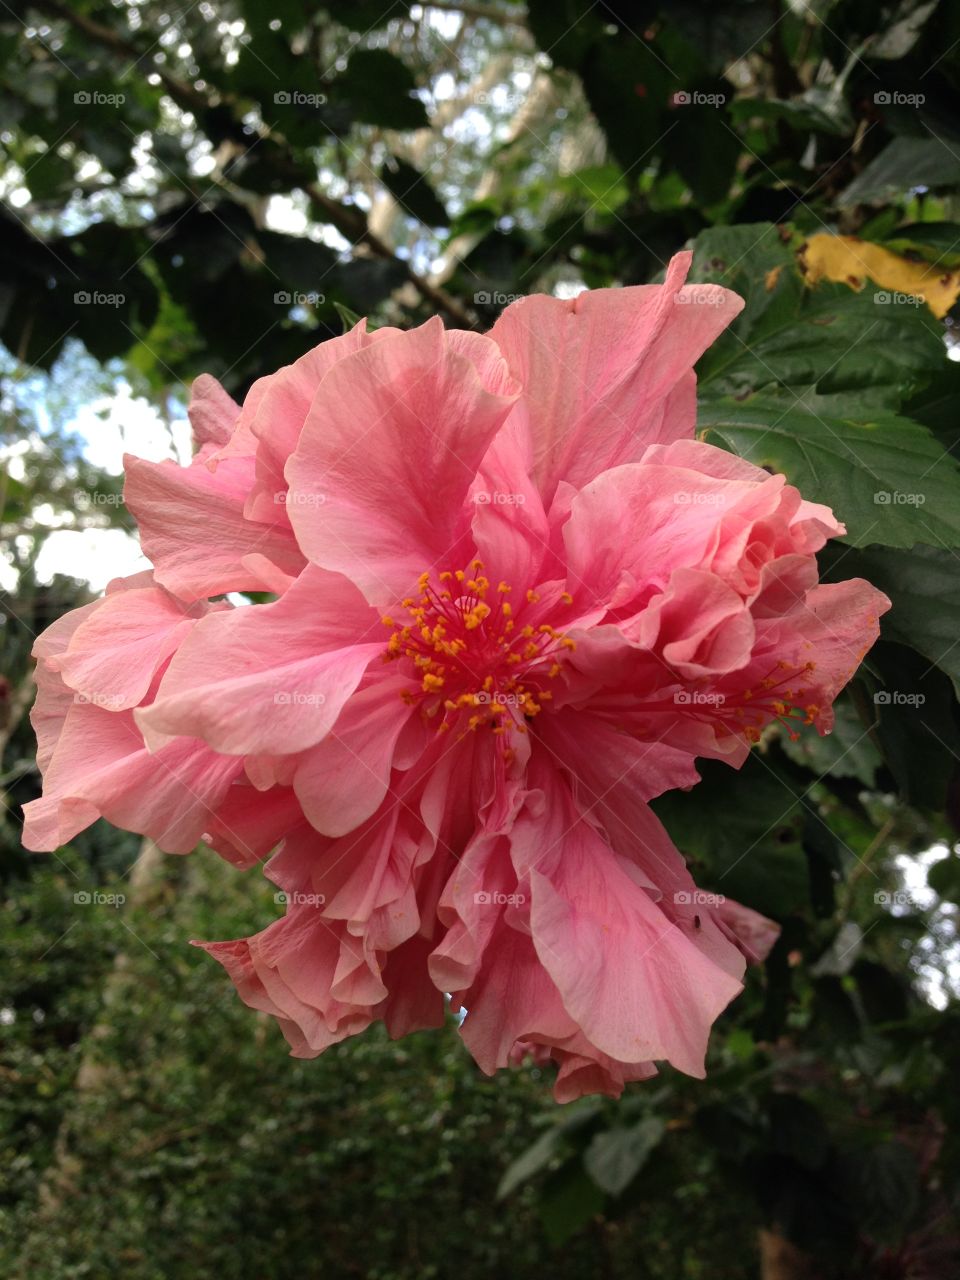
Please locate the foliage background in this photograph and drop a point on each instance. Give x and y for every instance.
(238, 176)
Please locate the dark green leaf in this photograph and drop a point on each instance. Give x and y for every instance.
(889, 480)
(615, 1156)
(413, 192)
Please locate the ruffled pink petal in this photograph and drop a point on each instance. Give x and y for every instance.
(698, 625)
(389, 450)
(249, 824)
(753, 933)
(832, 629)
(342, 781)
(288, 971)
(634, 525)
(100, 768)
(596, 370)
(116, 650)
(270, 678)
(509, 524)
(193, 528)
(212, 411)
(640, 985)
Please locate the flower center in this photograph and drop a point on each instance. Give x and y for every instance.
(482, 658)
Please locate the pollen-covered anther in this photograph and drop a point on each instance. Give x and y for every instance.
(477, 662)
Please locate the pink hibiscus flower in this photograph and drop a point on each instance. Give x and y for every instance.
(515, 600)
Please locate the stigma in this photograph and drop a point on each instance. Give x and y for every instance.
(482, 656)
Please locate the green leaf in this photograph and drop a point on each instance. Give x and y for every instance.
(888, 480)
(367, 15)
(934, 241)
(847, 752)
(615, 1157)
(800, 114)
(797, 1130)
(628, 89)
(568, 1201)
(413, 192)
(349, 318)
(913, 710)
(836, 350)
(755, 854)
(924, 585)
(381, 90)
(565, 29)
(944, 878)
(904, 164)
(535, 1159)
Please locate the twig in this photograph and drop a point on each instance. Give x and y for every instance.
(351, 222)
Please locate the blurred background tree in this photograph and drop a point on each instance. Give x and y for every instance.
(218, 187)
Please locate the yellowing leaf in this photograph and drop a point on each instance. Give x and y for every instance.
(847, 260)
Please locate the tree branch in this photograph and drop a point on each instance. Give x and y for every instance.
(349, 221)
(488, 12)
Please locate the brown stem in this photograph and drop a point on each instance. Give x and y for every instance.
(781, 1260)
